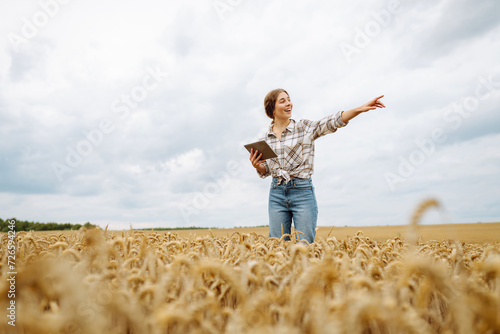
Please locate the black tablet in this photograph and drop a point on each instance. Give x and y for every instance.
(262, 147)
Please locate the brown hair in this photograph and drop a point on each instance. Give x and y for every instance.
(270, 101)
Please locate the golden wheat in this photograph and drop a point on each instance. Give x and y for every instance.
(94, 281)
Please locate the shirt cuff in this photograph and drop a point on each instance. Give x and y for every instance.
(339, 123)
(263, 176)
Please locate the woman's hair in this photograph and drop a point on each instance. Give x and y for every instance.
(270, 101)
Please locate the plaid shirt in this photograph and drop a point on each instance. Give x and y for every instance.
(295, 150)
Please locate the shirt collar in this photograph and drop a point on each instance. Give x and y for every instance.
(290, 127)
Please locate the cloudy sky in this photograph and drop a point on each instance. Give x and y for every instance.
(136, 112)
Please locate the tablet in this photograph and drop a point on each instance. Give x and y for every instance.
(262, 147)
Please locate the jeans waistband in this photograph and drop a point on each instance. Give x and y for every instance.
(293, 180)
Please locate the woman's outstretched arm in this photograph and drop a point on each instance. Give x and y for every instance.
(370, 105)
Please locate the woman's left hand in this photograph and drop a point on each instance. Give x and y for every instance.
(372, 104)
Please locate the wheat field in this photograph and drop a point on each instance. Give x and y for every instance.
(98, 281)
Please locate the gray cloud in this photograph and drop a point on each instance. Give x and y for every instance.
(177, 143)
(455, 24)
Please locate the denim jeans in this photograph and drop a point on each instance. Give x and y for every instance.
(295, 199)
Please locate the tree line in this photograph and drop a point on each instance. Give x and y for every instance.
(22, 225)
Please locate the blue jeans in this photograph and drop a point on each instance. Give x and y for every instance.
(295, 199)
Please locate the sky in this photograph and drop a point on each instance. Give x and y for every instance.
(135, 113)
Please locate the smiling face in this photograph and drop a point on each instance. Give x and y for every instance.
(283, 107)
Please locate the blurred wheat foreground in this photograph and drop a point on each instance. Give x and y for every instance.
(95, 281)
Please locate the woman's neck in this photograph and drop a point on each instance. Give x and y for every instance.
(281, 123)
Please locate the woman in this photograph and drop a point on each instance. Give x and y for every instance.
(292, 193)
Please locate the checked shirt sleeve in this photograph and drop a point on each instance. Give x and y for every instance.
(326, 125)
(267, 173)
